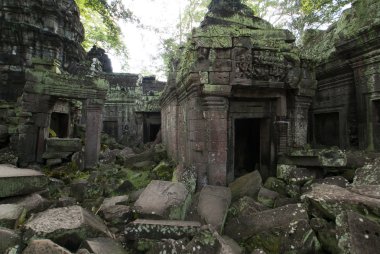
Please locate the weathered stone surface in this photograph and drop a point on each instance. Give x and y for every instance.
(326, 232)
(245, 206)
(8, 238)
(44, 246)
(357, 234)
(158, 229)
(334, 180)
(67, 226)
(15, 181)
(267, 197)
(229, 246)
(33, 203)
(246, 226)
(295, 175)
(116, 214)
(368, 175)
(331, 200)
(63, 145)
(372, 191)
(11, 215)
(318, 158)
(103, 245)
(163, 199)
(213, 205)
(247, 185)
(116, 200)
(275, 184)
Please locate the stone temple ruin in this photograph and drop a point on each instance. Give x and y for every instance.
(239, 97)
(253, 145)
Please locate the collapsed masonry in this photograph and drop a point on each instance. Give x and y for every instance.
(239, 96)
(41, 101)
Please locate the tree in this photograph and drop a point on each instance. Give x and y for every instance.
(100, 19)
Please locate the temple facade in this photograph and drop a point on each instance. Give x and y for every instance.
(239, 96)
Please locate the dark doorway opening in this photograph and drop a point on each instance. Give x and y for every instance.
(376, 111)
(111, 128)
(59, 123)
(153, 131)
(327, 129)
(247, 146)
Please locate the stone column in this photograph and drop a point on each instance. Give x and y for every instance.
(301, 119)
(93, 131)
(216, 115)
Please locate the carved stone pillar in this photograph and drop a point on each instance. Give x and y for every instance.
(93, 131)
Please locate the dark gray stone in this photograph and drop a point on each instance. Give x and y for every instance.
(161, 229)
(247, 185)
(8, 238)
(213, 205)
(67, 226)
(44, 246)
(16, 181)
(103, 245)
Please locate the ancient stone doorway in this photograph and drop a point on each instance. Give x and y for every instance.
(59, 124)
(111, 128)
(153, 131)
(326, 127)
(247, 146)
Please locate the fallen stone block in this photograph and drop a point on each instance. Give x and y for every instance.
(331, 200)
(213, 205)
(245, 206)
(116, 200)
(67, 226)
(103, 245)
(229, 246)
(277, 185)
(8, 239)
(267, 197)
(295, 175)
(16, 181)
(245, 226)
(44, 246)
(116, 214)
(357, 234)
(163, 199)
(368, 174)
(63, 145)
(161, 229)
(372, 191)
(33, 203)
(11, 215)
(150, 246)
(247, 185)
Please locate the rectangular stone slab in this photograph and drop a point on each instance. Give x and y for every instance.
(16, 181)
(161, 229)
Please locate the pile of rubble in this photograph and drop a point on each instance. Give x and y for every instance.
(320, 202)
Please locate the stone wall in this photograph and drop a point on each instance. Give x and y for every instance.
(131, 100)
(235, 66)
(348, 79)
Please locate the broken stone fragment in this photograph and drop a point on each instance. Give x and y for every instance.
(277, 185)
(44, 246)
(163, 199)
(331, 200)
(357, 234)
(326, 232)
(103, 245)
(246, 226)
(161, 229)
(368, 174)
(67, 226)
(8, 238)
(33, 203)
(116, 214)
(229, 246)
(267, 197)
(213, 205)
(247, 185)
(116, 200)
(16, 181)
(245, 206)
(11, 215)
(372, 191)
(295, 175)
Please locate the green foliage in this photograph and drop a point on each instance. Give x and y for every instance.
(100, 22)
